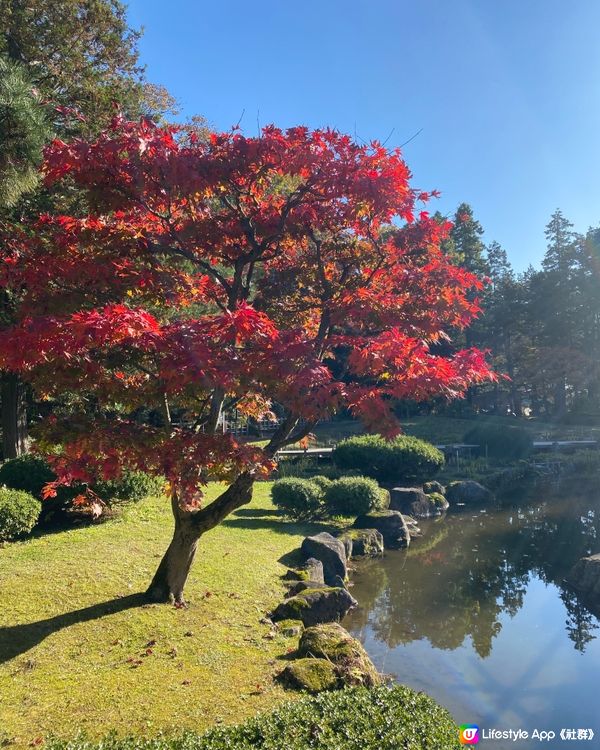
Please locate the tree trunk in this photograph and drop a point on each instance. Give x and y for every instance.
(170, 578)
(14, 416)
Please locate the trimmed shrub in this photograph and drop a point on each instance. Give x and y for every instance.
(19, 512)
(132, 486)
(354, 496)
(358, 718)
(509, 442)
(384, 499)
(322, 481)
(403, 459)
(28, 473)
(309, 468)
(300, 499)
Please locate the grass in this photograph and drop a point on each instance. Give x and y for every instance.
(80, 652)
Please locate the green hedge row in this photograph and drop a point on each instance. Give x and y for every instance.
(320, 497)
(30, 473)
(404, 459)
(353, 719)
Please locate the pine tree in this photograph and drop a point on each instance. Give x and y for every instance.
(464, 244)
(24, 129)
(79, 55)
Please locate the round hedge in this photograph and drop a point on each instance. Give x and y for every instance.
(402, 459)
(19, 512)
(322, 481)
(353, 496)
(28, 473)
(358, 718)
(300, 499)
(131, 486)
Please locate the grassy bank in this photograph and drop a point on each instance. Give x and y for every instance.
(79, 650)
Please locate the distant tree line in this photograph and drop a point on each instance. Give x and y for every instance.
(542, 326)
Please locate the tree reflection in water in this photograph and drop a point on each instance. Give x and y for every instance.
(470, 568)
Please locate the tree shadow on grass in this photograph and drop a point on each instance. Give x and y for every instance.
(18, 639)
(292, 559)
(257, 513)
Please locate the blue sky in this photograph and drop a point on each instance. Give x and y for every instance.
(505, 92)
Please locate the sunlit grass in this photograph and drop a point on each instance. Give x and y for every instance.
(213, 662)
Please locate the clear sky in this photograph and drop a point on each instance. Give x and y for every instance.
(505, 93)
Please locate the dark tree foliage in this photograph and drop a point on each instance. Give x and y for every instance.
(542, 326)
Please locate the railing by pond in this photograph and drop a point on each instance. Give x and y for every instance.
(460, 450)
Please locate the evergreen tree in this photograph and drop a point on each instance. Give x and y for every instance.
(24, 129)
(466, 249)
(499, 268)
(464, 244)
(79, 55)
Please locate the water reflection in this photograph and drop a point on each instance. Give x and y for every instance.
(470, 568)
(477, 613)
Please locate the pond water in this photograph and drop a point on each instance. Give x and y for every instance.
(477, 614)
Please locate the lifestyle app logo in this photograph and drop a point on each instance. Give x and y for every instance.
(468, 734)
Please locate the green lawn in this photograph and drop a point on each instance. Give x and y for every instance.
(79, 650)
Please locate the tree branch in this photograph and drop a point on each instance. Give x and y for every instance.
(237, 494)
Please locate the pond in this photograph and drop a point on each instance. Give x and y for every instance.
(477, 614)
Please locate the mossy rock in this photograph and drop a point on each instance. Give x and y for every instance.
(390, 524)
(290, 628)
(439, 500)
(430, 487)
(363, 542)
(296, 575)
(300, 586)
(310, 570)
(312, 675)
(316, 605)
(334, 644)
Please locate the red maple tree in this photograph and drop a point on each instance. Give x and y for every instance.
(233, 272)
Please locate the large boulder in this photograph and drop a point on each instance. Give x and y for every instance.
(468, 492)
(331, 552)
(415, 502)
(316, 605)
(390, 524)
(333, 643)
(585, 577)
(312, 675)
(362, 542)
